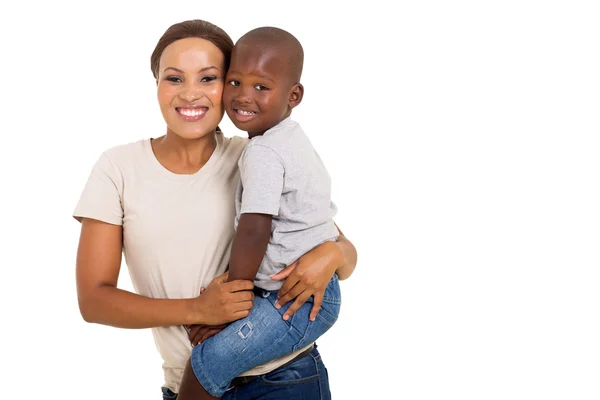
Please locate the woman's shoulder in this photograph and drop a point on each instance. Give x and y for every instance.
(125, 151)
(234, 145)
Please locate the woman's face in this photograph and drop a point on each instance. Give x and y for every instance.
(190, 87)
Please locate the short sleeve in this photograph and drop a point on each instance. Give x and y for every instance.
(101, 198)
(333, 210)
(262, 174)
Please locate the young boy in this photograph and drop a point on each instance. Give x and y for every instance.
(283, 210)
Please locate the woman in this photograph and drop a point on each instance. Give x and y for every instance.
(168, 204)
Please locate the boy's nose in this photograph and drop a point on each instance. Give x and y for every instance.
(243, 98)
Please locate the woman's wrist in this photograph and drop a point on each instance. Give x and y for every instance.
(194, 314)
(335, 256)
(347, 258)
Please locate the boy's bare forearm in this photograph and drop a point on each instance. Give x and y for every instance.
(249, 246)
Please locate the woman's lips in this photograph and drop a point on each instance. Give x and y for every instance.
(191, 114)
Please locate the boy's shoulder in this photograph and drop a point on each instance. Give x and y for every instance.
(284, 135)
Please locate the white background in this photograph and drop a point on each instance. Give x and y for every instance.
(463, 141)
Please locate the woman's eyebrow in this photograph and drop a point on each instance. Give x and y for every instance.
(201, 70)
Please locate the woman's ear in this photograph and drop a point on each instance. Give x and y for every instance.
(296, 95)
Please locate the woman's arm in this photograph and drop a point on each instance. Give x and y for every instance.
(100, 301)
(312, 272)
(348, 254)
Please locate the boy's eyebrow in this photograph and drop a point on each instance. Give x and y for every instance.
(265, 77)
(201, 70)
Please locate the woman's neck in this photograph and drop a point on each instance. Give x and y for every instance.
(183, 156)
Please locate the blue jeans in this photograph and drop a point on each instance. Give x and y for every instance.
(304, 379)
(261, 337)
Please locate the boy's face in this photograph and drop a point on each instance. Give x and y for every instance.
(258, 94)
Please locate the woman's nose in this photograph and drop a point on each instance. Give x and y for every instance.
(191, 93)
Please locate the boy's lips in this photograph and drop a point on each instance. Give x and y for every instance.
(191, 113)
(242, 115)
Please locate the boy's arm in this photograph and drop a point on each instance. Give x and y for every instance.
(249, 245)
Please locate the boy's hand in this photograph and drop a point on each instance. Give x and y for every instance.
(199, 333)
(308, 276)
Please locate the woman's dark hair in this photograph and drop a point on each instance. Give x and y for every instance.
(195, 28)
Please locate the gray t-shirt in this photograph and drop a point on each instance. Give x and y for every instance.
(281, 174)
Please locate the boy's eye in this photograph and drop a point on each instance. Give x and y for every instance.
(261, 87)
(173, 79)
(208, 78)
(234, 83)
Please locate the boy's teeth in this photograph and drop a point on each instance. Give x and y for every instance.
(245, 112)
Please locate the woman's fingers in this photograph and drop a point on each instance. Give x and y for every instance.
(242, 306)
(284, 273)
(242, 297)
(301, 299)
(316, 306)
(289, 296)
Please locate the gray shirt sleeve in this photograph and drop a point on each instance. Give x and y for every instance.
(261, 172)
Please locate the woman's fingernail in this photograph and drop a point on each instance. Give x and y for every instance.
(286, 317)
(277, 306)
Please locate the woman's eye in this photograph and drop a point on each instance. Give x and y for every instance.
(208, 79)
(261, 87)
(173, 79)
(234, 83)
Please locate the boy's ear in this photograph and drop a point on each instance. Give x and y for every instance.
(296, 95)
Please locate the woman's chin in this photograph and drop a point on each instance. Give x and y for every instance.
(193, 134)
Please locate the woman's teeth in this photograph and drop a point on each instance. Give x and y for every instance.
(191, 112)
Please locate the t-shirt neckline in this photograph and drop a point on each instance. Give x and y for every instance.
(184, 177)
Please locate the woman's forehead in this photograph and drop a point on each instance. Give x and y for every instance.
(191, 53)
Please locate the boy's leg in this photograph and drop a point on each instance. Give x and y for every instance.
(190, 388)
(247, 343)
(328, 314)
(259, 338)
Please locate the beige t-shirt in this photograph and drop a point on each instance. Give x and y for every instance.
(177, 229)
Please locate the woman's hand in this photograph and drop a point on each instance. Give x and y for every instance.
(223, 302)
(198, 333)
(308, 276)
